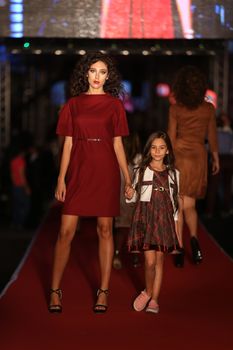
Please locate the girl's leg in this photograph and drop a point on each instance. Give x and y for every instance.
(150, 261)
(158, 276)
(62, 252)
(144, 297)
(104, 231)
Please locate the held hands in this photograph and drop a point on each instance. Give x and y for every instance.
(60, 192)
(129, 191)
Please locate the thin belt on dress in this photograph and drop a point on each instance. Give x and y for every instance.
(90, 139)
(160, 189)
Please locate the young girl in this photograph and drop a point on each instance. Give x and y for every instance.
(154, 226)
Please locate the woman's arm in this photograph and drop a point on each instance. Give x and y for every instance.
(120, 154)
(213, 142)
(60, 192)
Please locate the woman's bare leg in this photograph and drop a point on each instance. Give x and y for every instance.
(190, 215)
(191, 219)
(106, 247)
(62, 252)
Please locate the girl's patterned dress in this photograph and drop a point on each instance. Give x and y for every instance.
(153, 225)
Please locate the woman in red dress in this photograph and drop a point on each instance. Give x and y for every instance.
(93, 122)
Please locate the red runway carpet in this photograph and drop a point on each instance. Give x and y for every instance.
(196, 303)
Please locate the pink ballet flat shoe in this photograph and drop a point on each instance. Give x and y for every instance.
(141, 301)
(152, 307)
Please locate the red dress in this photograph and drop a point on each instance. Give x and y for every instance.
(93, 175)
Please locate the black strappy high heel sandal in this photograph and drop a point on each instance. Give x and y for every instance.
(101, 308)
(55, 308)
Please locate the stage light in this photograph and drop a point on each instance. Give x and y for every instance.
(15, 51)
(38, 51)
(58, 52)
(162, 90)
(16, 18)
(82, 52)
(125, 52)
(26, 45)
(189, 52)
(145, 52)
(168, 52)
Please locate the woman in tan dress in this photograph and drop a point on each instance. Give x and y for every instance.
(191, 123)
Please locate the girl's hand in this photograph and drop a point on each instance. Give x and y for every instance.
(60, 192)
(129, 191)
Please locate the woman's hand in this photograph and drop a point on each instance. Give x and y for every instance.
(129, 191)
(60, 192)
(215, 166)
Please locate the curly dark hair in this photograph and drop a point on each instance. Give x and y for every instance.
(169, 161)
(189, 87)
(79, 82)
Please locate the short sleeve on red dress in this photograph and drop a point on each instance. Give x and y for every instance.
(120, 120)
(65, 123)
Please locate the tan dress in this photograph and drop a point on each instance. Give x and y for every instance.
(188, 130)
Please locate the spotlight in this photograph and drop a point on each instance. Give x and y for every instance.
(26, 45)
(15, 51)
(125, 52)
(38, 51)
(82, 52)
(58, 52)
(145, 52)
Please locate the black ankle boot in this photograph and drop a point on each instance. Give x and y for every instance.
(179, 258)
(196, 251)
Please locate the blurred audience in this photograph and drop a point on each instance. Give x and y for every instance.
(20, 188)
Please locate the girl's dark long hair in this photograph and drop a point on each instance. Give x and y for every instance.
(79, 82)
(169, 161)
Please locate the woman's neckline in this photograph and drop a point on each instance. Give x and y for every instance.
(100, 94)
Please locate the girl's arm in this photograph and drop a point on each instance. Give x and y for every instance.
(120, 154)
(60, 191)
